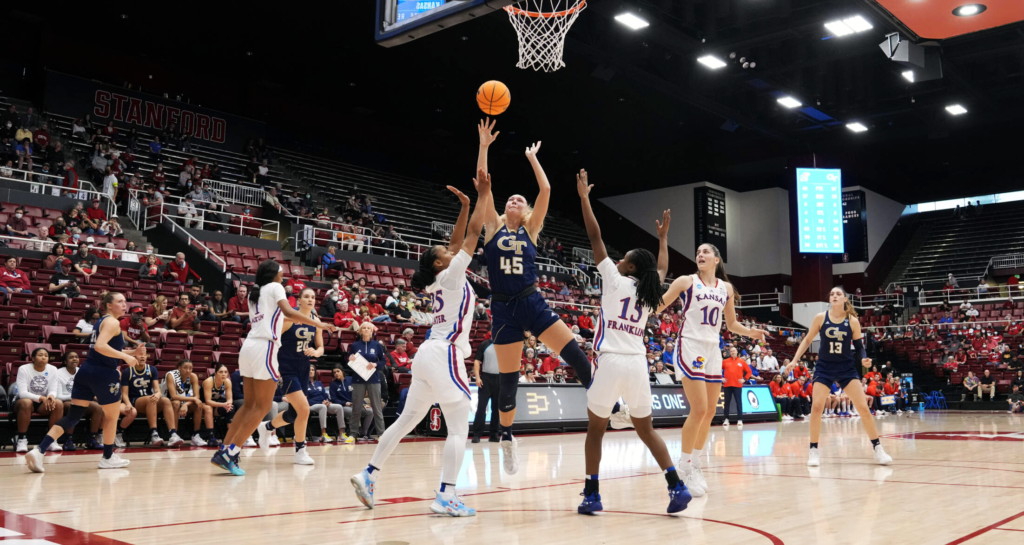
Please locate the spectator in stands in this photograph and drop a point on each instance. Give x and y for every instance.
(13, 280)
(328, 307)
(328, 262)
(62, 284)
(24, 152)
(272, 200)
(156, 150)
(344, 318)
(545, 285)
(41, 242)
(418, 316)
(403, 364)
(988, 384)
(481, 313)
(157, 315)
(179, 272)
(239, 305)
(150, 270)
(377, 312)
(200, 304)
(408, 335)
(218, 307)
(84, 326)
(37, 393)
(351, 240)
(110, 183)
(551, 362)
(96, 213)
(1018, 379)
(17, 225)
(971, 387)
(373, 352)
(528, 375)
(84, 262)
(7, 170)
(55, 257)
(183, 319)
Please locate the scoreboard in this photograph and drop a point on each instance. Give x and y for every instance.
(411, 8)
(709, 219)
(819, 202)
(855, 228)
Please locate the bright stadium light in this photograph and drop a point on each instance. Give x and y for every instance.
(856, 127)
(711, 62)
(909, 76)
(858, 24)
(632, 21)
(790, 102)
(969, 10)
(848, 26)
(956, 109)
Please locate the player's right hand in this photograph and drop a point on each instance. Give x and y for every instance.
(130, 360)
(462, 196)
(482, 182)
(485, 128)
(581, 185)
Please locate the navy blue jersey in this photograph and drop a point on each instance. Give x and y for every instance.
(140, 384)
(511, 257)
(218, 393)
(236, 387)
(291, 357)
(116, 342)
(836, 346)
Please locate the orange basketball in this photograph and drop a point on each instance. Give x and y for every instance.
(493, 97)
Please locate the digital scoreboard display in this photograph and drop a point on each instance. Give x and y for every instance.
(819, 208)
(411, 8)
(709, 219)
(855, 228)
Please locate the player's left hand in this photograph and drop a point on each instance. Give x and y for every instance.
(482, 182)
(311, 352)
(531, 152)
(582, 187)
(666, 218)
(462, 196)
(866, 362)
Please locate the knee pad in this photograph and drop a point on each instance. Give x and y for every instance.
(290, 415)
(75, 413)
(574, 356)
(509, 385)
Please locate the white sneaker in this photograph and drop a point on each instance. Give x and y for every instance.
(302, 458)
(249, 442)
(813, 459)
(725, 425)
(699, 479)
(34, 459)
(899, 413)
(511, 452)
(739, 425)
(274, 441)
(119, 441)
(22, 447)
(55, 447)
(910, 411)
(881, 456)
(690, 479)
(114, 462)
(621, 420)
(786, 418)
(175, 441)
(198, 441)
(263, 437)
(155, 440)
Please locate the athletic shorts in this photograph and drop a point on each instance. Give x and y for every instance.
(827, 375)
(258, 360)
(620, 375)
(510, 320)
(438, 374)
(96, 381)
(697, 360)
(294, 375)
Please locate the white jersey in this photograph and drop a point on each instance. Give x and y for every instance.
(36, 385)
(266, 317)
(703, 310)
(453, 299)
(621, 322)
(65, 383)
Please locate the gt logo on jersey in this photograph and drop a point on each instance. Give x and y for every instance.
(304, 336)
(510, 243)
(834, 333)
(698, 363)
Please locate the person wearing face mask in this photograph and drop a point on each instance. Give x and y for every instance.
(392, 302)
(329, 307)
(418, 316)
(16, 225)
(377, 312)
(84, 262)
(344, 318)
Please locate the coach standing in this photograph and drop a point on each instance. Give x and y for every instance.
(485, 369)
(736, 372)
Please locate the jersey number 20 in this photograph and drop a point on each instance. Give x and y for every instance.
(511, 266)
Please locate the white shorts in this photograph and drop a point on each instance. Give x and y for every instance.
(620, 375)
(697, 360)
(258, 359)
(438, 373)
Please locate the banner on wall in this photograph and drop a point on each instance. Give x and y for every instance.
(73, 96)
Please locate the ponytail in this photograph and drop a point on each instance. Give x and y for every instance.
(426, 275)
(850, 311)
(265, 274)
(648, 281)
(720, 271)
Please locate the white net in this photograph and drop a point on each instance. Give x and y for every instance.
(542, 26)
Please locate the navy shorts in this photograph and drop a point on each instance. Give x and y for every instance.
(511, 319)
(294, 376)
(97, 381)
(827, 376)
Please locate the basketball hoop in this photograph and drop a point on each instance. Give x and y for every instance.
(541, 26)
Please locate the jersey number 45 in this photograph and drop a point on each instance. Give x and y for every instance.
(511, 266)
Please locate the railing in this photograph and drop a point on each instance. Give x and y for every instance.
(270, 227)
(310, 236)
(869, 301)
(442, 227)
(959, 295)
(58, 190)
(585, 255)
(953, 325)
(1009, 261)
(37, 245)
(201, 222)
(755, 300)
(236, 193)
(908, 283)
(195, 242)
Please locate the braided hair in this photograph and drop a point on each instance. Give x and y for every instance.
(648, 282)
(426, 275)
(265, 274)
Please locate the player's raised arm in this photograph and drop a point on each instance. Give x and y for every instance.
(678, 286)
(593, 229)
(540, 207)
(459, 231)
(483, 204)
(666, 218)
(487, 137)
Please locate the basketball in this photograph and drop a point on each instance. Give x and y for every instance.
(493, 97)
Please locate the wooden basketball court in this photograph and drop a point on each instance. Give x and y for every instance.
(957, 478)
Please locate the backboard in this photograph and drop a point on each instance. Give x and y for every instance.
(402, 21)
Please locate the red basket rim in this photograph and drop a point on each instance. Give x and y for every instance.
(516, 11)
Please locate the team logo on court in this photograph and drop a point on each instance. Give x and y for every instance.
(698, 363)
(752, 399)
(435, 419)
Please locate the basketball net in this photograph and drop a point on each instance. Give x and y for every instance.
(541, 26)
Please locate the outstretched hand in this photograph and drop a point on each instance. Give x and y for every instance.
(482, 182)
(666, 218)
(531, 152)
(582, 187)
(462, 196)
(486, 128)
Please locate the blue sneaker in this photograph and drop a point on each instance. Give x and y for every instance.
(678, 498)
(94, 444)
(591, 503)
(69, 446)
(453, 507)
(227, 462)
(213, 442)
(364, 488)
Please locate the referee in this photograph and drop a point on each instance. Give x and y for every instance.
(485, 368)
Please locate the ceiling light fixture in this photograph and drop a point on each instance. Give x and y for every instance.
(856, 127)
(956, 109)
(711, 62)
(848, 26)
(969, 10)
(789, 102)
(632, 21)
(909, 76)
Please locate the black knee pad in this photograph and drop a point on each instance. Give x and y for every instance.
(508, 388)
(577, 359)
(290, 415)
(75, 413)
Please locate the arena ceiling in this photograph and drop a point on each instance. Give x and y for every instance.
(633, 107)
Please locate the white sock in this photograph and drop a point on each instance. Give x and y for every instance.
(695, 458)
(684, 462)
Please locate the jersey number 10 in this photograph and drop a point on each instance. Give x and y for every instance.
(511, 266)
(710, 318)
